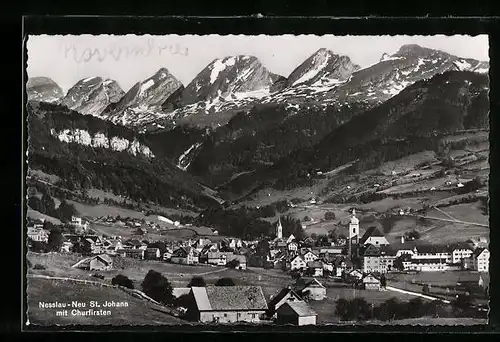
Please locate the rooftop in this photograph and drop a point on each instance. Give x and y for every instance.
(224, 298)
(301, 308)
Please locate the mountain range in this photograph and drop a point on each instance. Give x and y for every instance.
(236, 83)
(237, 127)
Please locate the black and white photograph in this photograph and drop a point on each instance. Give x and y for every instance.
(263, 180)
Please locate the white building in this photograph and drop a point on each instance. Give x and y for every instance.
(354, 228)
(481, 257)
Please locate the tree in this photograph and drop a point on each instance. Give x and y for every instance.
(156, 286)
(66, 211)
(425, 289)
(162, 246)
(122, 280)
(329, 215)
(306, 219)
(197, 282)
(383, 281)
(55, 240)
(225, 282)
(233, 263)
(413, 235)
(82, 248)
(332, 235)
(398, 264)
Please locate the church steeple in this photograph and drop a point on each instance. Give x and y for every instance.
(279, 230)
(354, 227)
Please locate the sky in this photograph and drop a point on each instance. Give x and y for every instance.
(129, 59)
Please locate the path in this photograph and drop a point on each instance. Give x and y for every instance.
(395, 289)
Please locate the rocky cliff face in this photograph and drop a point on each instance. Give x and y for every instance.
(322, 68)
(43, 89)
(394, 73)
(92, 95)
(114, 143)
(144, 100)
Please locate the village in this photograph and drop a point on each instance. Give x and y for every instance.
(367, 262)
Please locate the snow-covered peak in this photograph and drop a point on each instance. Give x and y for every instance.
(323, 66)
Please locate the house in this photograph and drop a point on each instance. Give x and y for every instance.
(297, 263)
(112, 246)
(184, 255)
(309, 256)
(293, 246)
(227, 304)
(371, 259)
(354, 274)
(131, 253)
(459, 252)
(316, 268)
(387, 257)
(235, 243)
(99, 262)
(37, 234)
(66, 247)
(481, 260)
(340, 265)
(239, 260)
(180, 291)
(79, 223)
(218, 258)
(152, 253)
(370, 282)
(373, 236)
(285, 295)
(310, 288)
(136, 244)
(431, 258)
(296, 313)
(290, 238)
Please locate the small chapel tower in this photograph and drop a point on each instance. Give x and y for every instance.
(279, 230)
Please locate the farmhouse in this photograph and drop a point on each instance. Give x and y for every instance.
(316, 268)
(227, 304)
(218, 258)
(293, 246)
(370, 282)
(311, 289)
(373, 236)
(297, 313)
(98, 262)
(285, 295)
(297, 263)
(184, 255)
(152, 253)
(309, 256)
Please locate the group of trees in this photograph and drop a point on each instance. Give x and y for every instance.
(46, 205)
(235, 222)
(393, 309)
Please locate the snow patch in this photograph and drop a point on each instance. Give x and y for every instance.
(313, 71)
(462, 65)
(183, 162)
(88, 79)
(146, 86)
(218, 66)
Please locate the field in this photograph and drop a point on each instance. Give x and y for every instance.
(271, 280)
(138, 312)
(36, 215)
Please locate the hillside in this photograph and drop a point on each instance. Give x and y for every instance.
(43, 89)
(86, 152)
(408, 123)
